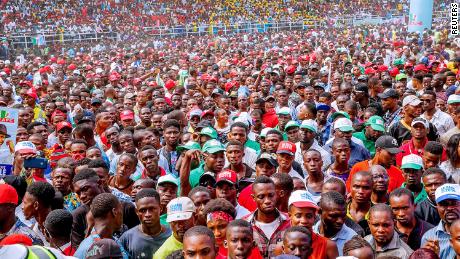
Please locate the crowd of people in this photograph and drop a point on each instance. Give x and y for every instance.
(300, 144)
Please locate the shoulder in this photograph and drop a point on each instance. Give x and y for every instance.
(129, 233)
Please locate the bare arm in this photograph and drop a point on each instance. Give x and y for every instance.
(184, 172)
(332, 251)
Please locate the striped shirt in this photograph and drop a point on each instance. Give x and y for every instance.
(439, 233)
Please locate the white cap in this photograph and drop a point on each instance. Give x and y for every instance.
(264, 131)
(343, 124)
(453, 98)
(174, 67)
(448, 191)
(181, 208)
(25, 147)
(284, 111)
(411, 100)
(412, 161)
(168, 178)
(302, 199)
(420, 120)
(99, 70)
(309, 124)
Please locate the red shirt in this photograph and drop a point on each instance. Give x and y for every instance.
(245, 199)
(394, 173)
(223, 253)
(409, 148)
(318, 246)
(269, 118)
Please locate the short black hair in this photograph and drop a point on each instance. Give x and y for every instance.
(220, 205)
(435, 170)
(98, 163)
(380, 207)
(285, 181)
(79, 141)
(200, 231)
(59, 223)
(338, 181)
(198, 189)
(131, 156)
(102, 204)
(275, 132)
(66, 162)
(400, 192)
(147, 147)
(263, 179)
(239, 124)
(235, 143)
(86, 174)
(171, 123)
(298, 229)
(354, 243)
(84, 161)
(434, 148)
(43, 192)
(332, 197)
(240, 223)
(148, 192)
(32, 125)
(83, 130)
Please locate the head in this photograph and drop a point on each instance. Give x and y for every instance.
(181, 216)
(62, 179)
(148, 207)
(126, 140)
(432, 153)
(359, 248)
(448, 207)
(381, 224)
(333, 212)
(284, 185)
(361, 187)
(171, 132)
(297, 241)
(266, 165)
(455, 236)
(199, 242)
(403, 206)
(272, 140)
(219, 213)
(141, 184)
(380, 179)
(148, 156)
(126, 165)
(58, 227)
(341, 150)
(453, 149)
(312, 161)
(239, 240)
(334, 184)
(101, 169)
(107, 210)
(38, 200)
(234, 152)
(200, 196)
(238, 132)
(432, 178)
(264, 194)
(87, 185)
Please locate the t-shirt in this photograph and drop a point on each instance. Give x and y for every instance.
(140, 245)
(268, 228)
(245, 199)
(395, 175)
(86, 244)
(170, 245)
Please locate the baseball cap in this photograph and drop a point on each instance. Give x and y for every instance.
(264, 131)
(267, 156)
(302, 199)
(388, 143)
(291, 124)
(398, 61)
(284, 111)
(207, 179)
(343, 124)
(168, 178)
(400, 76)
(420, 120)
(86, 119)
(63, 124)
(127, 114)
(420, 67)
(269, 97)
(96, 101)
(191, 145)
(389, 93)
(340, 113)
(412, 161)
(209, 131)
(310, 125)
(453, 98)
(217, 91)
(376, 123)
(228, 176)
(25, 147)
(8, 194)
(448, 191)
(286, 147)
(181, 208)
(322, 107)
(411, 100)
(195, 112)
(207, 112)
(104, 248)
(213, 146)
(129, 96)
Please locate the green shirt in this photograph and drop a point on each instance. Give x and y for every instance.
(163, 220)
(195, 175)
(252, 144)
(369, 144)
(421, 195)
(169, 246)
(285, 137)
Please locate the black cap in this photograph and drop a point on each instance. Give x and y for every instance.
(96, 100)
(388, 143)
(86, 119)
(207, 179)
(302, 85)
(389, 93)
(362, 88)
(266, 156)
(104, 248)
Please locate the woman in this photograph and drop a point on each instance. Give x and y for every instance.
(452, 166)
(222, 124)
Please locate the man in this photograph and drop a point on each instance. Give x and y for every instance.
(390, 104)
(115, 150)
(341, 154)
(143, 240)
(58, 225)
(167, 187)
(455, 130)
(126, 166)
(267, 222)
(409, 228)
(383, 239)
(272, 140)
(226, 188)
(308, 131)
(343, 128)
(199, 241)
(333, 215)
(284, 185)
(380, 186)
(234, 153)
(240, 240)
(292, 131)
(239, 131)
(9, 223)
(285, 155)
(168, 153)
(148, 156)
(181, 217)
(107, 213)
(448, 205)
(359, 248)
(441, 120)
(315, 177)
(297, 241)
(361, 191)
(412, 167)
(386, 147)
(433, 154)
(62, 180)
(455, 235)
(432, 178)
(374, 128)
(214, 160)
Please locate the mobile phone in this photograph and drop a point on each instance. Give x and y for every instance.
(36, 162)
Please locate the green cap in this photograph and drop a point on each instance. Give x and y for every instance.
(339, 113)
(400, 76)
(376, 123)
(291, 124)
(191, 145)
(398, 62)
(263, 132)
(209, 131)
(213, 146)
(412, 161)
(310, 125)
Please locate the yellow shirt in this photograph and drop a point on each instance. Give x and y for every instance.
(169, 246)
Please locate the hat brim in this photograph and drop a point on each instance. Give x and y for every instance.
(308, 128)
(377, 127)
(393, 150)
(453, 101)
(346, 128)
(323, 108)
(415, 102)
(208, 134)
(411, 166)
(285, 152)
(450, 196)
(420, 122)
(168, 181)
(305, 204)
(179, 216)
(290, 126)
(225, 181)
(214, 150)
(273, 163)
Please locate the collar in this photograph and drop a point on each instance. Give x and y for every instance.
(252, 217)
(412, 146)
(394, 243)
(439, 229)
(65, 246)
(366, 217)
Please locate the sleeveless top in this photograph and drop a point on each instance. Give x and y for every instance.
(318, 245)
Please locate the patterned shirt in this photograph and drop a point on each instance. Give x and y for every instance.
(20, 228)
(71, 202)
(446, 251)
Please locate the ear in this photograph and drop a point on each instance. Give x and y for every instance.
(225, 244)
(36, 205)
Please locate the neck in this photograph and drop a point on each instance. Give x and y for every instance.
(170, 147)
(410, 225)
(419, 143)
(415, 188)
(408, 119)
(116, 148)
(60, 242)
(306, 145)
(393, 109)
(42, 216)
(153, 173)
(151, 230)
(266, 217)
(430, 112)
(238, 168)
(326, 232)
(221, 124)
(379, 197)
(121, 181)
(339, 166)
(360, 206)
(8, 223)
(103, 229)
(285, 170)
(315, 177)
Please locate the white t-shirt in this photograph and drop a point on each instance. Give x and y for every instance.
(268, 228)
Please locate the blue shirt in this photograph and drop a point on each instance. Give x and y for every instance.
(87, 242)
(340, 238)
(357, 153)
(446, 251)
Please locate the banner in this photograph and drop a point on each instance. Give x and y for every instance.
(8, 129)
(420, 15)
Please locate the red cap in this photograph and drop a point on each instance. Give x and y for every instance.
(7, 70)
(207, 112)
(16, 239)
(291, 69)
(25, 83)
(394, 72)
(8, 194)
(63, 124)
(170, 84)
(286, 147)
(53, 59)
(408, 64)
(382, 68)
(58, 113)
(420, 67)
(127, 114)
(32, 93)
(369, 71)
(61, 62)
(72, 67)
(228, 176)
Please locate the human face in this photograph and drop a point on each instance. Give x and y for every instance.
(344, 134)
(265, 197)
(403, 209)
(430, 160)
(125, 167)
(93, 153)
(87, 190)
(293, 134)
(239, 243)
(333, 217)
(29, 206)
(296, 243)
(78, 151)
(127, 143)
(239, 134)
(313, 162)
(171, 136)
(412, 176)
(156, 122)
(21, 134)
(285, 160)
(62, 179)
(148, 211)
(199, 246)
(361, 189)
(306, 135)
(149, 159)
(304, 217)
(64, 135)
(428, 102)
(382, 227)
(431, 183)
(455, 237)
(145, 115)
(200, 199)
(418, 131)
(167, 192)
(25, 117)
(179, 227)
(381, 180)
(386, 159)
(341, 152)
(264, 167)
(449, 210)
(234, 154)
(226, 191)
(112, 136)
(271, 142)
(105, 120)
(215, 162)
(219, 228)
